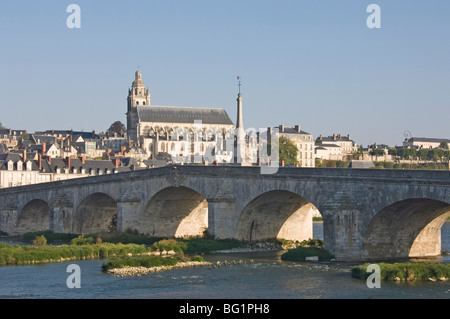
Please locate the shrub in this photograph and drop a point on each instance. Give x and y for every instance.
(81, 240)
(40, 241)
(170, 244)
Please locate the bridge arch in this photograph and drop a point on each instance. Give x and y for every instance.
(96, 213)
(34, 216)
(175, 212)
(278, 214)
(407, 228)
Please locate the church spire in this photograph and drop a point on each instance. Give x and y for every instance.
(138, 95)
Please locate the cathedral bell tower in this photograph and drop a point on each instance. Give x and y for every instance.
(138, 96)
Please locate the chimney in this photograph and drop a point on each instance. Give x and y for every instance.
(348, 136)
(320, 136)
(297, 128)
(24, 155)
(54, 140)
(44, 148)
(334, 137)
(68, 162)
(83, 160)
(40, 161)
(129, 143)
(281, 128)
(116, 162)
(93, 133)
(282, 163)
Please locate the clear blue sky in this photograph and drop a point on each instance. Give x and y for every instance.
(313, 63)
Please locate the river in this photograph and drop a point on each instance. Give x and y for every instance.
(261, 275)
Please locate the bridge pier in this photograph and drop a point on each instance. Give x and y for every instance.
(128, 214)
(8, 220)
(221, 217)
(61, 213)
(342, 220)
(60, 219)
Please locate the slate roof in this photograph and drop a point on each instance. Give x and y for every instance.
(291, 130)
(429, 140)
(178, 114)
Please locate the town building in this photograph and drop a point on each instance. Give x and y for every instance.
(425, 142)
(28, 168)
(335, 147)
(182, 132)
(304, 142)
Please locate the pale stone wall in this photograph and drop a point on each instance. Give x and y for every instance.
(367, 214)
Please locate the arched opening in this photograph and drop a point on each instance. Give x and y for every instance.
(175, 212)
(34, 216)
(96, 213)
(409, 228)
(276, 214)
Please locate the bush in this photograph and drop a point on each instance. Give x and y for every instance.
(170, 244)
(40, 241)
(81, 240)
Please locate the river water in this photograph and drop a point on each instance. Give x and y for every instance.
(261, 275)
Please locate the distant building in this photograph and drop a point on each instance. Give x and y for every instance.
(28, 168)
(11, 137)
(304, 142)
(335, 147)
(180, 131)
(425, 142)
(328, 152)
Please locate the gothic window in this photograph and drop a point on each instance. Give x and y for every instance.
(143, 103)
(135, 91)
(137, 102)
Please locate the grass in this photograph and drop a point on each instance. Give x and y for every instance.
(20, 255)
(406, 271)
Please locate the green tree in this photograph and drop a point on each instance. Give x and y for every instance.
(377, 152)
(288, 151)
(117, 127)
(443, 145)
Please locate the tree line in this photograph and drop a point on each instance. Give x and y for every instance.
(435, 155)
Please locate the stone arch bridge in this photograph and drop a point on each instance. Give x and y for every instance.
(367, 214)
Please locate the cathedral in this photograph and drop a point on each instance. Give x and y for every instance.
(187, 134)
